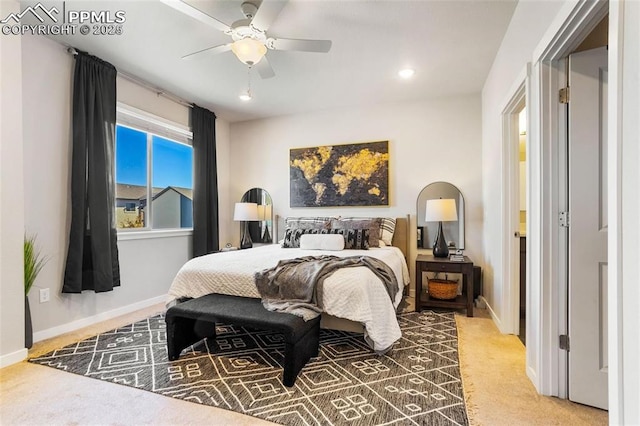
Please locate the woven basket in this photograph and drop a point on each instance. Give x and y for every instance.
(443, 289)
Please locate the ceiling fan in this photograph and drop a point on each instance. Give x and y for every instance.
(250, 39)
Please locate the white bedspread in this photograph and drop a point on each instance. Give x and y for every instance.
(352, 293)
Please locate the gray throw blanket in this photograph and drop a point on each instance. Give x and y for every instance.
(295, 285)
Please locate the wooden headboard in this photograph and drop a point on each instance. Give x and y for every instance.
(400, 235)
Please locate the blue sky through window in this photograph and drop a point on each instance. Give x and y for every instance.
(131, 156)
(172, 161)
(172, 164)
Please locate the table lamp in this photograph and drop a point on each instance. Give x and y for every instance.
(441, 210)
(245, 212)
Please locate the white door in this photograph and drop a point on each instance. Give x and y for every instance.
(588, 361)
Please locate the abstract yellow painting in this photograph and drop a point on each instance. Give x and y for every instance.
(340, 175)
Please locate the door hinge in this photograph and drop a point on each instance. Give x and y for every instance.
(564, 342)
(564, 219)
(564, 95)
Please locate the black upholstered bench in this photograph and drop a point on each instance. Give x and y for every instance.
(191, 321)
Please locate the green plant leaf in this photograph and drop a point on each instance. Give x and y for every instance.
(33, 262)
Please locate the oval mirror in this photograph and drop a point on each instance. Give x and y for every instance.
(453, 230)
(261, 231)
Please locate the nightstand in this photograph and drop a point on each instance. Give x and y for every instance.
(426, 263)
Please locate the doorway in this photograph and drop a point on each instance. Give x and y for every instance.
(522, 230)
(515, 122)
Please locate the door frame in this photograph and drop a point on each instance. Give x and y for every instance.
(550, 241)
(511, 202)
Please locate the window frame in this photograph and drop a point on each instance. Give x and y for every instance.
(151, 125)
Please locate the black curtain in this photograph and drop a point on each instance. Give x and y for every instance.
(92, 256)
(206, 237)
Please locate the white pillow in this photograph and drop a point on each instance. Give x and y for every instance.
(332, 242)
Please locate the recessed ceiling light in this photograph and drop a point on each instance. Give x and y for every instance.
(406, 73)
(246, 96)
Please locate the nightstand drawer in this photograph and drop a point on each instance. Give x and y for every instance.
(444, 267)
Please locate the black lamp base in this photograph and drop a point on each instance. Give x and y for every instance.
(245, 240)
(266, 238)
(440, 248)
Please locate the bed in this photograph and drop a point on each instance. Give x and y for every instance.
(353, 298)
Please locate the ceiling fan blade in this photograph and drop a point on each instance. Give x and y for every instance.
(210, 50)
(299, 45)
(264, 68)
(267, 13)
(191, 11)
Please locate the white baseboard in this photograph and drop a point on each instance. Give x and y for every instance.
(531, 373)
(494, 317)
(13, 358)
(85, 322)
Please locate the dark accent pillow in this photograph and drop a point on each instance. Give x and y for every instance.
(292, 236)
(354, 239)
(373, 225)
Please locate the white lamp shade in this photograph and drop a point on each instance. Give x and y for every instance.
(246, 212)
(441, 210)
(249, 50)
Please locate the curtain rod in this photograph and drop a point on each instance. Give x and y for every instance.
(158, 91)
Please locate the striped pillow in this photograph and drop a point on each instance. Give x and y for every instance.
(387, 228)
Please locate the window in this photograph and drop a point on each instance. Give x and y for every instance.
(154, 161)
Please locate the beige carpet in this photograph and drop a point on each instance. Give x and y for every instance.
(496, 388)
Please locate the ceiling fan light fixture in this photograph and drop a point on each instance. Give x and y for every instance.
(406, 73)
(249, 50)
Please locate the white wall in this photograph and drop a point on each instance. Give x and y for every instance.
(429, 141)
(529, 22)
(624, 148)
(147, 265)
(11, 198)
(528, 26)
(144, 99)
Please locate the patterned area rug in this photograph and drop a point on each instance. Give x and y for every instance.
(418, 382)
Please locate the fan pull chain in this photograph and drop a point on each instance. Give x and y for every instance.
(246, 96)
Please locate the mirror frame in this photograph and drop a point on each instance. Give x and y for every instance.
(263, 228)
(453, 231)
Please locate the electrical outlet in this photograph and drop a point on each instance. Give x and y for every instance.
(44, 295)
